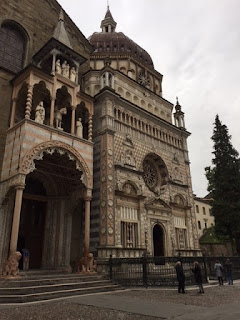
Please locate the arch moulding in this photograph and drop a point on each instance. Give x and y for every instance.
(49, 147)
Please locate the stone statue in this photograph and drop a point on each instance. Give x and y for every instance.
(73, 74)
(79, 126)
(40, 113)
(87, 264)
(65, 69)
(58, 67)
(58, 117)
(10, 266)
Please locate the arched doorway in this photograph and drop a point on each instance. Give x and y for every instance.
(51, 197)
(158, 241)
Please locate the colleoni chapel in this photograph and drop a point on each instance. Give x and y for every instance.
(92, 157)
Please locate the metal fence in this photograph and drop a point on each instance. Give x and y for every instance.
(160, 271)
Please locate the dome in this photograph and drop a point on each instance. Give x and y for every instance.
(109, 41)
(117, 42)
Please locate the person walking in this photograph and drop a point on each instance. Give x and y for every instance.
(228, 268)
(219, 272)
(198, 276)
(180, 277)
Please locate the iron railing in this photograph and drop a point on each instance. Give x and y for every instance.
(160, 271)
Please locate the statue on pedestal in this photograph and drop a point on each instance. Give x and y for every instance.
(79, 128)
(73, 74)
(58, 67)
(40, 113)
(58, 117)
(65, 69)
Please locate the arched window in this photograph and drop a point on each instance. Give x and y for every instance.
(12, 47)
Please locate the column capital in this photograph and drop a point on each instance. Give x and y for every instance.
(88, 194)
(87, 198)
(20, 186)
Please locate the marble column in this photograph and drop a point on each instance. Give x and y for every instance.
(53, 63)
(16, 218)
(52, 111)
(14, 101)
(73, 124)
(87, 226)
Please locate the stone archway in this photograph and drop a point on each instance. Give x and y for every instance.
(50, 198)
(158, 241)
(49, 147)
(57, 177)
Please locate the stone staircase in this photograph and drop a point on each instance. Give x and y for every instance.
(36, 287)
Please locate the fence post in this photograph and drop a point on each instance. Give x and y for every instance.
(144, 270)
(205, 267)
(110, 267)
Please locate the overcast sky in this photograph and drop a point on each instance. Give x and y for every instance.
(196, 46)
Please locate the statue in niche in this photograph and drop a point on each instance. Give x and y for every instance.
(65, 69)
(79, 128)
(73, 74)
(58, 117)
(58, 67)
(40, 113)
(129, 159)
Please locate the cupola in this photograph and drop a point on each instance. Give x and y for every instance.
(108, 24)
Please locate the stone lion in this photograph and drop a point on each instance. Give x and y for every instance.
(10, 266)
(87, 264)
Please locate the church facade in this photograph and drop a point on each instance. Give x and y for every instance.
(93, 158)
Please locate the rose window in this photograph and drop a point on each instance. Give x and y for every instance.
(150, 175)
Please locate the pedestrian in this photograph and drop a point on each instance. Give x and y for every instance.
(180, 277)
(198, 276)
(228, 268)
(219, 272)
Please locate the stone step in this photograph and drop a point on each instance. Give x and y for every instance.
(36, 281)
(52, 287)
(39, 287)
(51, 295)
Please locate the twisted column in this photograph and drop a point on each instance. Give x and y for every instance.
(90, 125)
(29, 102)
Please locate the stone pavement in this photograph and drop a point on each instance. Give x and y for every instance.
(218, 302)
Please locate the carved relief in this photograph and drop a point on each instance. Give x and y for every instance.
(107, 194)
(128, 188)
(50, 147)
(127, 158)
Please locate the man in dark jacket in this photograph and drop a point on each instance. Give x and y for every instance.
(180, 277)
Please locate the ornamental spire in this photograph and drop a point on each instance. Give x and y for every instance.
(108, 24)
(60, 32)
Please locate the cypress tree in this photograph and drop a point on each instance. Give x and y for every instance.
(224, 184)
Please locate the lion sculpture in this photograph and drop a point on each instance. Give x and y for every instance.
(87, 264)
(10, 266)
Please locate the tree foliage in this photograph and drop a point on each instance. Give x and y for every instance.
(224, 184)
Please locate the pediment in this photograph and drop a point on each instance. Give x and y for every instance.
(157, 203)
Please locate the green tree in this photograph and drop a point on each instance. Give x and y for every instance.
(224, 184)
